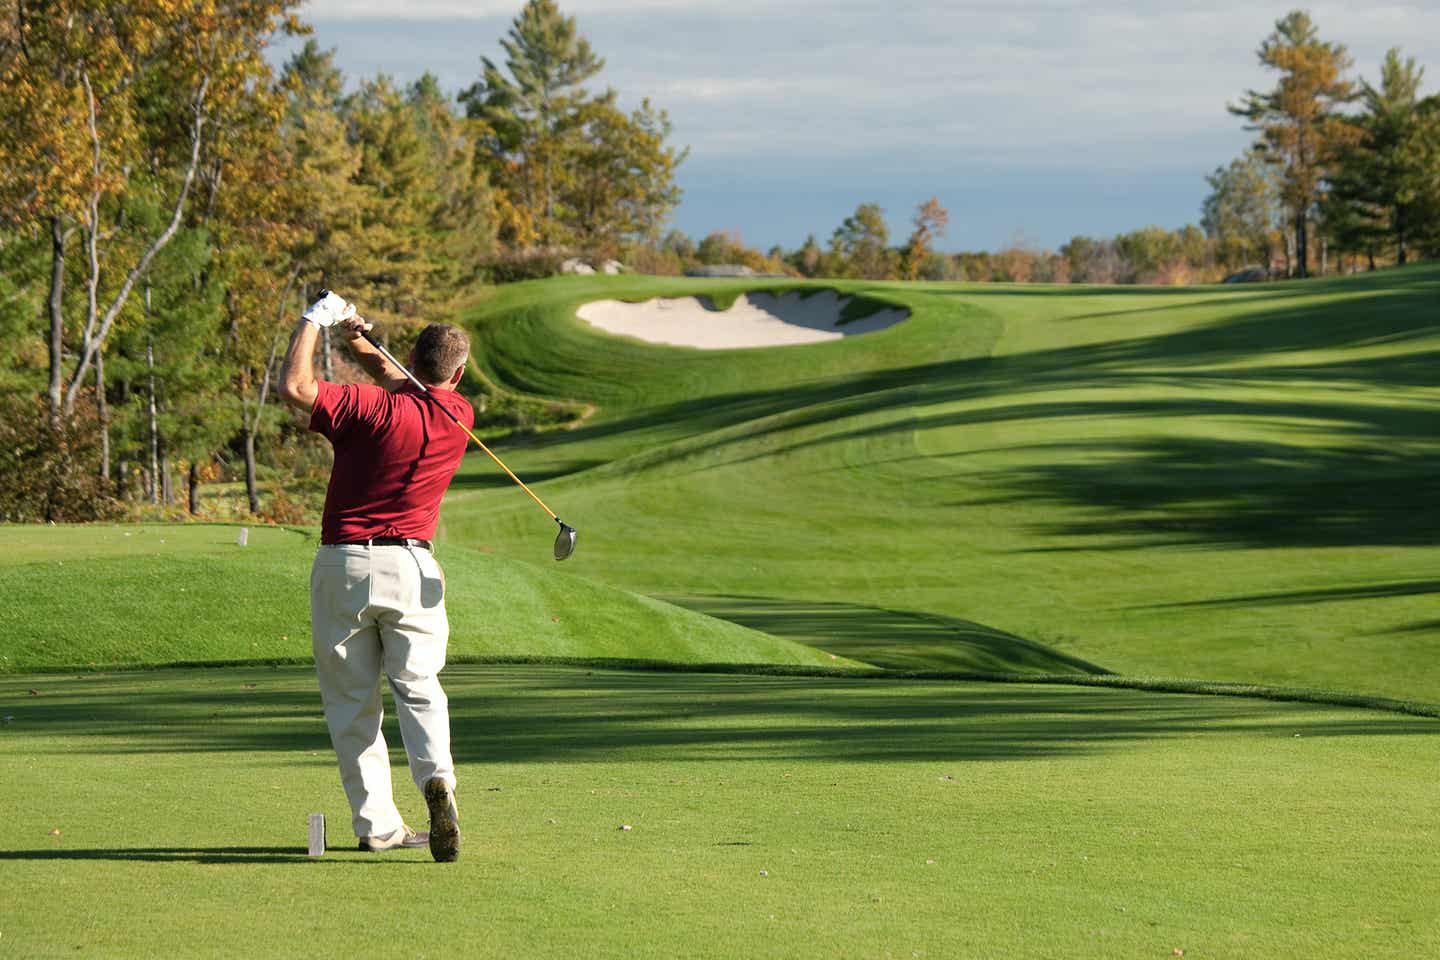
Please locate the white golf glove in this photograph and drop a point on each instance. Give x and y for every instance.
(329, 310)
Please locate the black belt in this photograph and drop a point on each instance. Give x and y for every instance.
(384, 542)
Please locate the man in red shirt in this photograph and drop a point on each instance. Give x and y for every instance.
(377, 594)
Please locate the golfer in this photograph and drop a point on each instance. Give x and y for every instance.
(377, 594)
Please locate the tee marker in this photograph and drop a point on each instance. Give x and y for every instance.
(317, 834)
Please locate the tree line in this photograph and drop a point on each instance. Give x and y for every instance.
(169, 201)
(1344, 173)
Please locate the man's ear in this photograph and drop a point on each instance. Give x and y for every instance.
(459, 372)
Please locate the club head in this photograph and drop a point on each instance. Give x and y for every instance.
(564, 541)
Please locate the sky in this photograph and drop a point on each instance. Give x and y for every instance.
(1031, 120)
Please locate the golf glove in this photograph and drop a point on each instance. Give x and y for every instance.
(329, 310)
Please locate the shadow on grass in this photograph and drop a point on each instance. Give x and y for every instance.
(480, 473)
(210, 855)
(529, 714)
(893, 639)
(1369, 591)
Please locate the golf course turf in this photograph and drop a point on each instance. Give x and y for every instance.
(769, 817)
(1113, 499)
(1224, 483)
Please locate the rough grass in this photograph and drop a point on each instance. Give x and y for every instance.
(1217, 483)
(769, 815)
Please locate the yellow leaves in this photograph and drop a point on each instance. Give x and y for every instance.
(162, 50)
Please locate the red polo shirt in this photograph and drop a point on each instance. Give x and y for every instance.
(394, 456)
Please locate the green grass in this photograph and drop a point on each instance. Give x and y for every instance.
(1094, 495)
(770, 817)
(125, 594)
(1219, 483)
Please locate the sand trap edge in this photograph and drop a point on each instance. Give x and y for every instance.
(755, 319)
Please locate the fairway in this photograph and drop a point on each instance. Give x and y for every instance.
(808, 560)
(1226, 483)
(769, 816)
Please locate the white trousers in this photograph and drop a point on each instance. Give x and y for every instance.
(375, 609)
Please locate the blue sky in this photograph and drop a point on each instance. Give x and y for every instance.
(1029, 119)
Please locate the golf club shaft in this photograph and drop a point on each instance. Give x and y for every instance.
(468, 432)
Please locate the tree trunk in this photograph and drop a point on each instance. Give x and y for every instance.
(194, 504)
(97, 327)
(102, 410)
(167, 485)
(154, 425)
(326, 371)
(1400, 250)
(1302, 245)
(57, 319)
(250, 489)
(1324, 256)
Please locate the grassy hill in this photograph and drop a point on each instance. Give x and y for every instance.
(106, 595)
(1227, 483)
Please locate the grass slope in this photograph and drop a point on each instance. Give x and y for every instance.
(154, 594)
(770, 817)
(1226, 483)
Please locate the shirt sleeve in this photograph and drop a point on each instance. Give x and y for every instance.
(341, 407)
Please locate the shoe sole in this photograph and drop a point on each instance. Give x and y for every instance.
(444, 828)
(365, 847)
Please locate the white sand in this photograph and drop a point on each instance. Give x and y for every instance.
(754, 320)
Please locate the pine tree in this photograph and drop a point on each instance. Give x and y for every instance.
(462, 218)
(571, 168)
(326, 206)
(532, 116)
(390, 257)
(1298, 121)
(1421, 147)
(1378, 182)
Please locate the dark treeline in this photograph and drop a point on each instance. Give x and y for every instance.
(169, 202)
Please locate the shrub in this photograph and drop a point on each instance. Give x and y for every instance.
(512, 267)
(51, 475)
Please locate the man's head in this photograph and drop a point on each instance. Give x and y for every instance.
(439, 355)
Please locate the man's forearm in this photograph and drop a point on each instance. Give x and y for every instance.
(375, 364)
(297, 376)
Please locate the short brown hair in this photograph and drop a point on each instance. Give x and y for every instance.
(439, 352)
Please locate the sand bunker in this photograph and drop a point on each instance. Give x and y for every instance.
(754, 320)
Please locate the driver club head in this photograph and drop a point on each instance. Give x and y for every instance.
(565, 540)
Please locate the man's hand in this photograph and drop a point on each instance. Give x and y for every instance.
(352, 327)
(329, 310)
(370, 359)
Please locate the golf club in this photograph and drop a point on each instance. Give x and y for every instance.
(565, 540)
